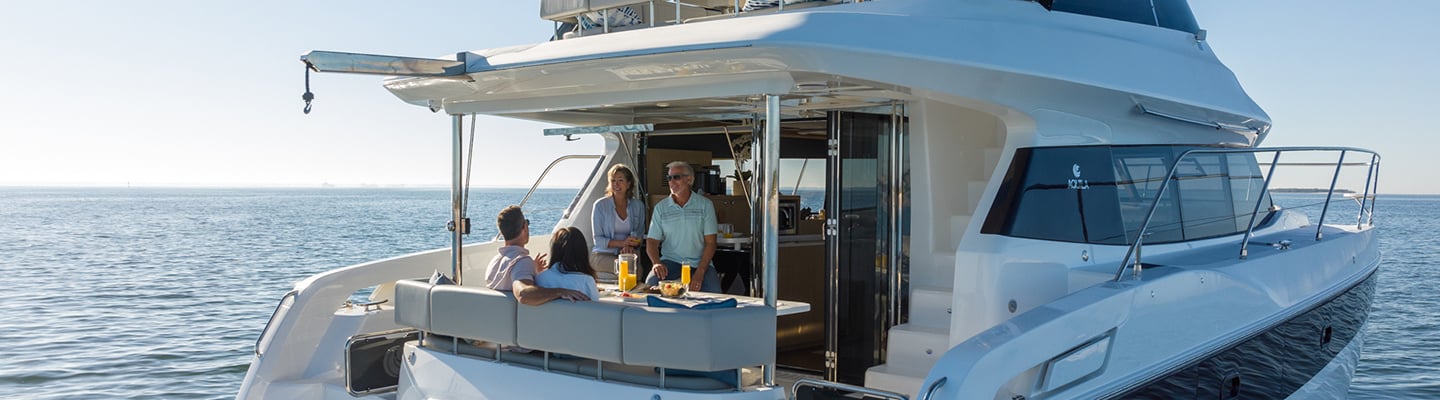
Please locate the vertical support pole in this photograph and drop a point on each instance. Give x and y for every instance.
(896, 191)
(1370, 218)
(1360, 218)
(1328, 195)
(1265, 188)
(768, 172)
(457, 191)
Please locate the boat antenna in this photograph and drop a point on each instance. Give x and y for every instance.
(308, 96)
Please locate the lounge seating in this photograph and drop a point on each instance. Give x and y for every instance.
(616, 341)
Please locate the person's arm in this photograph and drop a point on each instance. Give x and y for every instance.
(652, 247)
(698, 275)
(708, 228)
(654, 236)
(599, 229)
(527, 293)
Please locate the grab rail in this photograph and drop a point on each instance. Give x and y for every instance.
(547, 172)
(930, 391)
(552, 165)
(868, 392)
(266, 332)
(1371, 182)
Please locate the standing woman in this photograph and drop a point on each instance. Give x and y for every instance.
(617, 222)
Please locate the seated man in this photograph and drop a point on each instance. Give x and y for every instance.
(513, 270)
(682, 231)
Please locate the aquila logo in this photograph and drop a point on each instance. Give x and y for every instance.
(1077, 183)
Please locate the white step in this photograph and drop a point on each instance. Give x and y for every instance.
(992, 160)
(930, 306)
(913, 349)
(880, 377)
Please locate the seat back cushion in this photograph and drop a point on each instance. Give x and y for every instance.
(588, 329)
(701, 340)
(473, 313)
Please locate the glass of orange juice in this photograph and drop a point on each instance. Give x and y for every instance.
(625, 271)
(685, 274)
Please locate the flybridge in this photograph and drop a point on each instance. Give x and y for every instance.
(576, 18)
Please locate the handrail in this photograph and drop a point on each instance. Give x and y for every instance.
(536, 185)
(730, 10)
(930, 391)
(547, 172)
(266, 331)
(883, 394)
(1249, 231)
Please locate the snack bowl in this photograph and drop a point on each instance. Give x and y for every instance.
(672, 288)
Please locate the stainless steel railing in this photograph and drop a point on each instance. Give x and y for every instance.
(868, 392)
(564, 12)
(1367, 206)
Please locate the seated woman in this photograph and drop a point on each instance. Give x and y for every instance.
(569, 264)
(617, 222)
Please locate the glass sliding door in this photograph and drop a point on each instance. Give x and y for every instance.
(864, 233)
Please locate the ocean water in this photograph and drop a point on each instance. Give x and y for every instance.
(160, 293)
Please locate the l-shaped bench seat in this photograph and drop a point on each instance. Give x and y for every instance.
(613, 341)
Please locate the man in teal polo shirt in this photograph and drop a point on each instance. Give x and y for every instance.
(682, 230)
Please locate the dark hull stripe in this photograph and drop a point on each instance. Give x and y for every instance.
(1276, 363)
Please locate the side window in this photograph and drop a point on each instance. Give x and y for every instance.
(1140, 172)
(1205, 206)
(1059, 193)
(1246, 182)
(1102, 194)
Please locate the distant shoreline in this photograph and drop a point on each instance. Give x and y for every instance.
(1308, 190)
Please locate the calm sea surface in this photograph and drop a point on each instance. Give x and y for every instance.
(160, 293)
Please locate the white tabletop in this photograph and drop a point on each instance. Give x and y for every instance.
(782, 307)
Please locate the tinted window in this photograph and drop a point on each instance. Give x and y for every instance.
(1062, 193)
(1173, 14)
(1102, 194)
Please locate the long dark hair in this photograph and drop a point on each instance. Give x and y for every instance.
(571, 251)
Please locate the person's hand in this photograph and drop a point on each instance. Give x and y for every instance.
(542, 262)
(695, 280)
(658, 269)
(571, 295)
(627, 250)
(633, 241)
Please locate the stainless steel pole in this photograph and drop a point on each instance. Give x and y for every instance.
(769, 173)
(457, 190)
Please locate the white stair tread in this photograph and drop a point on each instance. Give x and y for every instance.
(930, 307)
(883, 378)
(914, 349)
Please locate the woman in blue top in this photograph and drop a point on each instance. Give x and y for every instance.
(617, 222)
(569, 266)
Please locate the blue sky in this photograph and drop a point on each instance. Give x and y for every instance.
(208, 93)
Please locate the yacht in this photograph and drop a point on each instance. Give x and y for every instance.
(1021, 200)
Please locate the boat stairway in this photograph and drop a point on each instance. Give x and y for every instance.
(914, 347)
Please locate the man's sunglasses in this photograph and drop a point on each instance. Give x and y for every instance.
(675, 177)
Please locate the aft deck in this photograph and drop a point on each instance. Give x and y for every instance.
(614, 340)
